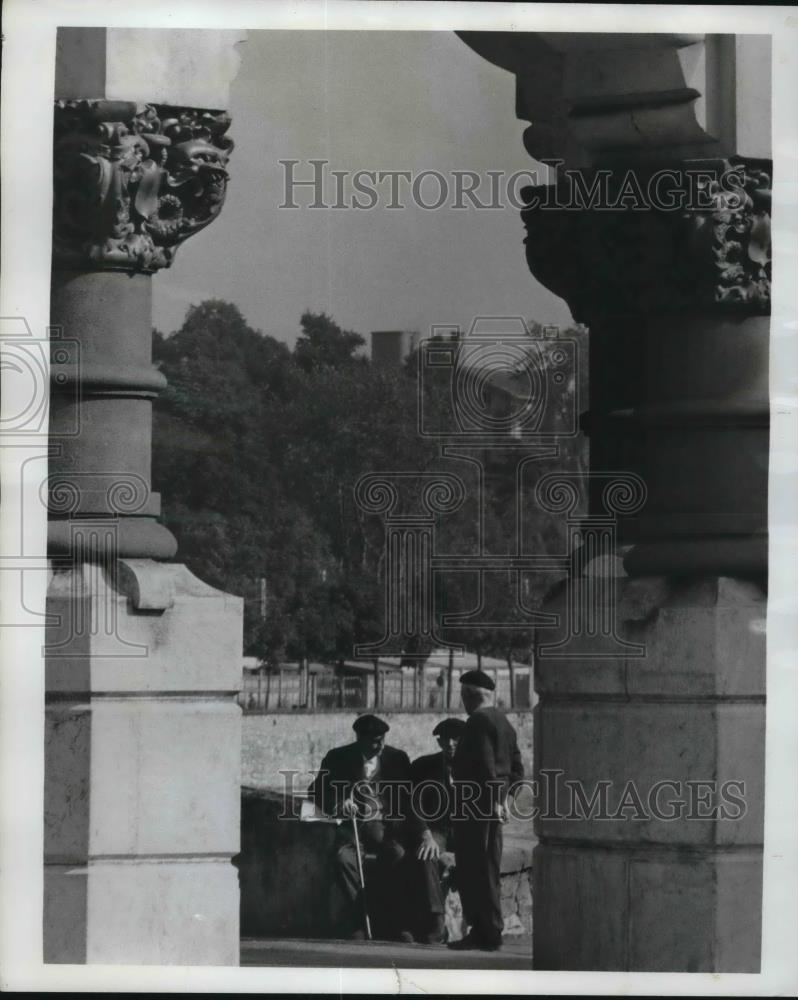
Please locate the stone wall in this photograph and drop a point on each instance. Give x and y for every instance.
(289, 741)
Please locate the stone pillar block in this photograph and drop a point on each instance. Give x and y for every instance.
(606, 910)
(143, 747)
(672, 881)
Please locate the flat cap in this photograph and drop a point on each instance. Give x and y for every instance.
(478, 679)
(370, 724)
(449, 727)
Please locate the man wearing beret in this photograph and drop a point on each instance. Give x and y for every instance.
(369, 781)
(487, 764)
(432, 806)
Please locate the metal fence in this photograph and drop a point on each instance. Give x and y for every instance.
(294, 689)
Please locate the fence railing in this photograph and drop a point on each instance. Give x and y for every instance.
(277, 690)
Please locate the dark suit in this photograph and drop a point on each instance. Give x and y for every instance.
(382, 804)
(488, 760)
(432, 805)
(432, 795)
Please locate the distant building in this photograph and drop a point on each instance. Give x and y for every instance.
(389, 348)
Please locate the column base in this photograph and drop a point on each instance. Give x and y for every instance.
(142, 767)
(646, 910)
(651, 770)
(142, 911)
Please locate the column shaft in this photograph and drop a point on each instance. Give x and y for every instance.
(103, 386)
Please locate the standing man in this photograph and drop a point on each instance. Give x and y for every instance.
(370, 782)
(487, 764)
(431, 822)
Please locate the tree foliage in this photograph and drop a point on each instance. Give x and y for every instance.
(323, 344)
(257, 450)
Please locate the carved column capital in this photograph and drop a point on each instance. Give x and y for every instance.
(677, 301)
(621, 258)
(133, 181)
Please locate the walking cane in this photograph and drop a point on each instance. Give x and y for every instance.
(362, 879)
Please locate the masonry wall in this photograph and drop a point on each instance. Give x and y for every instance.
(272, 743)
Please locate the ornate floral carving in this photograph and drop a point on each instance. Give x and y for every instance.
(611, 260)
(740, 240)
(133, 181)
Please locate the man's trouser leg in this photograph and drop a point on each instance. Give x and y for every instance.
(347, 866)
(429, 902)
(390, 856)
(478, 852)
(392, 861)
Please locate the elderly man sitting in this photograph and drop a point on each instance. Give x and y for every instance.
(431, 821)
(368, 782)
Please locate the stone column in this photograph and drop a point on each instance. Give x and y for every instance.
(677, 302)
(142, 660)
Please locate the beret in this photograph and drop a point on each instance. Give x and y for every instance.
(479, 679)
(370, 724)
(449, 727)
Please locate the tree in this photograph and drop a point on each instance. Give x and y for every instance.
(324, 344)
(257, 452)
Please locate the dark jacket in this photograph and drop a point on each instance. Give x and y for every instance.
(488, 755)
(341, 772)
(432, 795)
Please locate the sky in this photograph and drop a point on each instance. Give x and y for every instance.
(363, 100)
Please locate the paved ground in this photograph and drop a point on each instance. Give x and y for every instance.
(515, 954)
